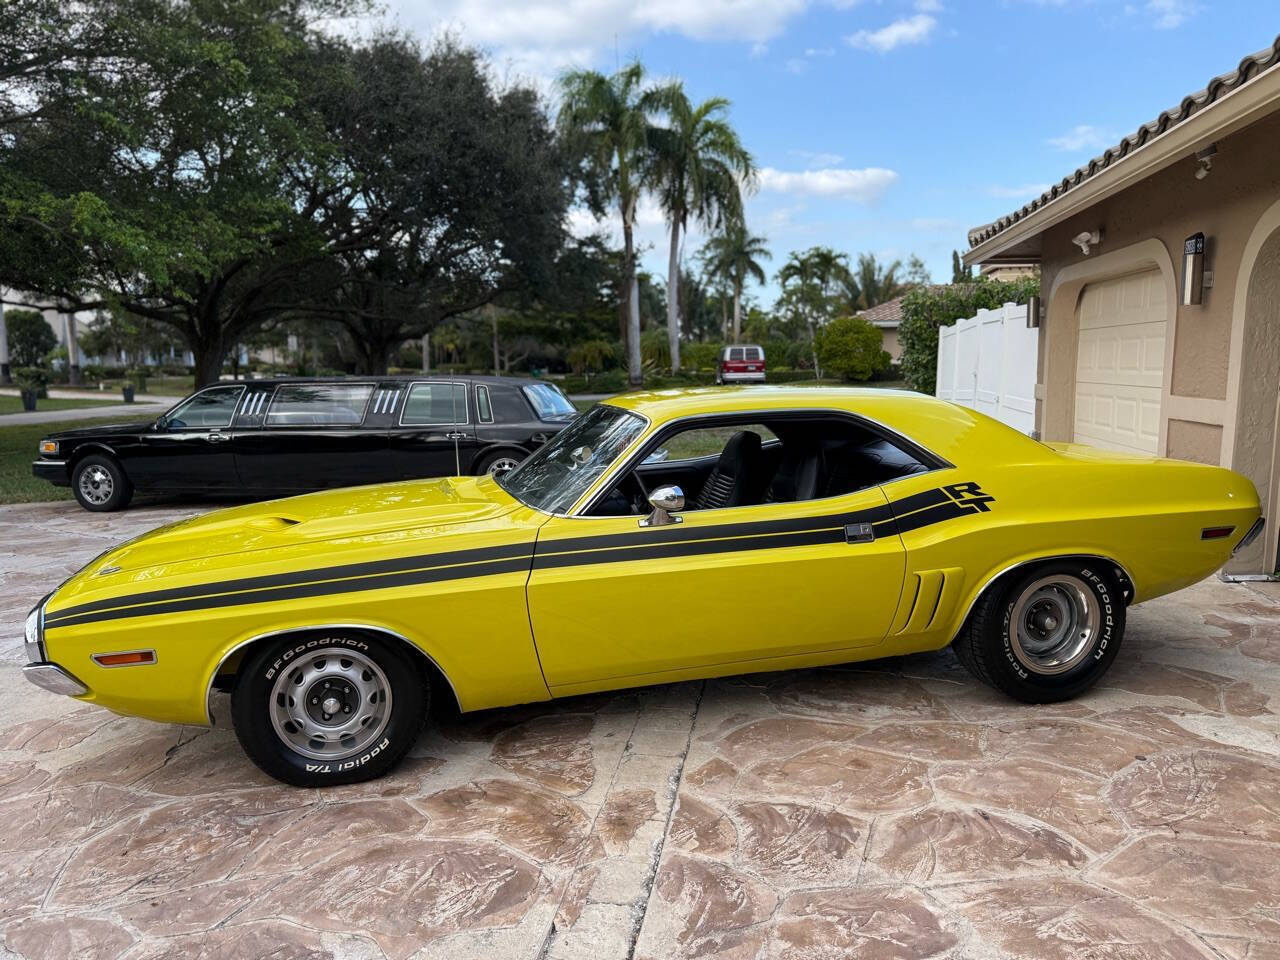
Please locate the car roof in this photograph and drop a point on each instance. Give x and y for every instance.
(382, 378)
(957, 434)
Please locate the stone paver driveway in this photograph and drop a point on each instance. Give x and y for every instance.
(894, 809)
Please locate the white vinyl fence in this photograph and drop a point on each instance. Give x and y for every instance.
(988, 363)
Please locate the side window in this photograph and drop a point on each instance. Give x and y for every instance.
(484, 410)
(429, 404)
(211, 408)
(319, 404)
(509, 406)
(708, 441)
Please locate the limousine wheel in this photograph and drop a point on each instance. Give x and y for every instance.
(321, 709)
(496, 463)
(1046, 635)
(100, 484)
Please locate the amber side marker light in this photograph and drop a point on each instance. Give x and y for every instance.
(1216, 533)
(131, 658)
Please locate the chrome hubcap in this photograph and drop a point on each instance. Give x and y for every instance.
(1054, 624)
(502, 465)
(96, 484)
(330, 704)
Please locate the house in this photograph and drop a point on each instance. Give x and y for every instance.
(1160, 280)
(886, 316)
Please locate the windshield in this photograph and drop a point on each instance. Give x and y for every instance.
(559, 473)
(549, 403)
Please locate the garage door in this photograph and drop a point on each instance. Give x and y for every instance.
(1120, 366)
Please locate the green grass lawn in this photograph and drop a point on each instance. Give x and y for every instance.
(10, 404)
(18, 447)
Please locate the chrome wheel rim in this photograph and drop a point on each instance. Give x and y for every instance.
(502, 465)
(330, 704)
(1054, 624)
(96, 484)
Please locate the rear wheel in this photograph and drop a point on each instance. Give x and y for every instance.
(499, 462)
(100, 483)
(324, 709)
(1046, 635)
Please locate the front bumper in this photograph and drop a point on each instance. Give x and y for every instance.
(41, 672)
(55, 471)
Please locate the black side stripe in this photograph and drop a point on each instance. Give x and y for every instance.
(302, 591)
(345, 571)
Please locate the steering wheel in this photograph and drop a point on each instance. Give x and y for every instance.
(632, 487)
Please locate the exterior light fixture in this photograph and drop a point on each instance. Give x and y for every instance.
(1205, 160)
(1033, 313)
(1193, 270)
(1087, 240)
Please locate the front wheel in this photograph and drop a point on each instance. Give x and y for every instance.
(100, 484)
(1046, 635)
(326, 709)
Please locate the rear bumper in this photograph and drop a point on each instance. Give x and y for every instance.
(55, 471)
(757, 377)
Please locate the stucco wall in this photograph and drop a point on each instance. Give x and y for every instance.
(1168, 207)
(1201, 442)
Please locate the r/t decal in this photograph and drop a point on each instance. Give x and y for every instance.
(969, 495)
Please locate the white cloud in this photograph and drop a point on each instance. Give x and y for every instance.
(865, 185)
(1083, 136)
(909, 30)
(1024, 192)
(1170, 14)
(544, 36)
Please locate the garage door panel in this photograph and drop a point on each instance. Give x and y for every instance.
(1120, 363)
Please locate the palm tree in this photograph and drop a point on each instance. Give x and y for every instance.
(699, 165)
(734, 255)
(873, 283)
(815, 277)
(608, 122)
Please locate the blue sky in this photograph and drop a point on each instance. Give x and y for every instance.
(890, 126)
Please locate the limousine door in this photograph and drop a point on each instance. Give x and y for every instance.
(311, 436)
(433, 434)
(191, 447)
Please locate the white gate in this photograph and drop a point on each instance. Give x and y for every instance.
(988, 363)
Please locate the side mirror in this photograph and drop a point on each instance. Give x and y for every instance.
(665, 501)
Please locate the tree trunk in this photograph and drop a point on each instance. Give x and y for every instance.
(208, 356)
(737, 312)
(673, 297)
(73, 351)
(5, 377)
(497, 357)
(635, 376)
(813, 347)
(724, 317)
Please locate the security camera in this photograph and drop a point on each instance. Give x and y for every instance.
(1205, 160)
(1087, 240)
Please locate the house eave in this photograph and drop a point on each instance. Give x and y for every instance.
(1238, 109)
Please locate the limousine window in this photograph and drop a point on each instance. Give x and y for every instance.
(484, 410)
(435, 403)
(548, 402)
(210, 408)
(319, 404)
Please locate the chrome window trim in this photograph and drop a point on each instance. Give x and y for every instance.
(364, 413)
(466, 403)
(627, 459)
(243, 388)
(487, 399)
(208, 695)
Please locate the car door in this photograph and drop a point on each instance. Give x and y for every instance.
(434, 435)
(610, 598)
(313, 437)
(190, 446)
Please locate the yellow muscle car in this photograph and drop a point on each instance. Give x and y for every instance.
(661, 536)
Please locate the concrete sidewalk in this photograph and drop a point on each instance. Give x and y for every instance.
(144, 405)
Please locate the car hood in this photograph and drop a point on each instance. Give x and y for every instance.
(417, 512)
(132, 428)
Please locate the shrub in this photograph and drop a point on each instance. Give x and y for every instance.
(925, 309)
(31, 338)
(699, 355)
(849, 348)
(591, 356)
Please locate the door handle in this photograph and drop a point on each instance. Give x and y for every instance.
(217, 437)
(859, 533)
(455, 436)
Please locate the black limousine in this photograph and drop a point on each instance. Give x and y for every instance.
(282, 436)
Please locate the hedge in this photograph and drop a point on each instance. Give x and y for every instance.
(925, 309)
